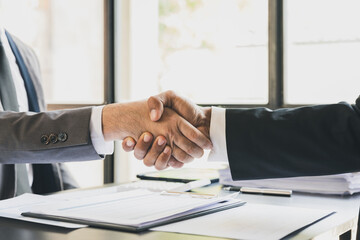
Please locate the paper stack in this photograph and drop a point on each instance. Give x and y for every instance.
(340, 184)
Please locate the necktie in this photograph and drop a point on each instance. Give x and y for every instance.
(9, 101)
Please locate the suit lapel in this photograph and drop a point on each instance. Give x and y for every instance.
(33, 68)
(29, 85)
(46, 176)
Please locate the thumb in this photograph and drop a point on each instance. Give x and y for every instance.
(156, 107)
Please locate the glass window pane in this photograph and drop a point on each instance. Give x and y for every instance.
(67, 36)
(68, 39)
(322, 46)
(214, 51)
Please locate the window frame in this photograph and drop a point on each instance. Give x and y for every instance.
(109, 81)
(275, 60)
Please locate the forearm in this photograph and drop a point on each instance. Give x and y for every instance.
(23, 136)
(317, 140)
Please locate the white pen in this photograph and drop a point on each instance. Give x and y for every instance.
(190, 185)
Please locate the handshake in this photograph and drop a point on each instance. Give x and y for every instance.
(167, 130)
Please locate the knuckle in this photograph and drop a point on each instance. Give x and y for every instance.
(170, 92)
(194, 150)
(159, 166)
(151, 99)
(191, 150)
(184, 157)
(148, 162)
(194, 135)
(177, 164)
(139, 154)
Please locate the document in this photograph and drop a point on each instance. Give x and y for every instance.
(251, 221)
(341, 184)
(13, 207)
(135, 210)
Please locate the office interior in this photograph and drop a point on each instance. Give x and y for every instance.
(233, 53)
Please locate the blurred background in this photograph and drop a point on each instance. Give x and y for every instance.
(233, 53)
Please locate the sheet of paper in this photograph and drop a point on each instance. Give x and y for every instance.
(134, 207)
(13, 207)
(76, 194)
(251, 221)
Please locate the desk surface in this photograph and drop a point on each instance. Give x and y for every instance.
(330, 228)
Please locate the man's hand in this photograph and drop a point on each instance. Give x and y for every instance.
(196, 115)
(131, 119)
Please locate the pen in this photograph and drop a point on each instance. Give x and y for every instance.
(192, 194)
(264, 191)
(193, 184)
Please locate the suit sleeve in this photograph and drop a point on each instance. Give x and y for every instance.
(46, 137)
(306, 141)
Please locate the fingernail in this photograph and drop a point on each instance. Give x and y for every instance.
(153, 115)
(166, 150)
(161, 141)
(147, 138)
(129, 143)
(171, 163)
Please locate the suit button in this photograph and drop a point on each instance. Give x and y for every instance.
(62, 136)
(44, 139)
(53, 138)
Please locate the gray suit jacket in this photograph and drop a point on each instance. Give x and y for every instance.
(21, 139)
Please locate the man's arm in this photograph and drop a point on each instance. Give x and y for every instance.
(64, 135)
(185, 140)
(261, 143)
(57, 136)
(306, 141)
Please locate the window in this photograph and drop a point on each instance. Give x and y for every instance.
(68, 37)
(213, 51)
(207, 46)
(322, 49)
(236, 53)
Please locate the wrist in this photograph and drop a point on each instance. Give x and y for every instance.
(110, 132)
(118, 121)
(205, 122)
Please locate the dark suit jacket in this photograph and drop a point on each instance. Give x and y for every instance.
(21, 133)
(305, 141)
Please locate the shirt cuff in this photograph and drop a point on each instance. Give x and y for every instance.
(101, 146)
(218, 135)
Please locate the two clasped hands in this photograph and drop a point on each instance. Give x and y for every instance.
(166, 130)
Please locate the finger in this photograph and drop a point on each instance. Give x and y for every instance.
(162, 160)
(187, 146)
(156, 107)
(194, 135)
(128, 144)
(175, 163)
(180, 155)
(143, 145)
(170, 99)
(156, 149)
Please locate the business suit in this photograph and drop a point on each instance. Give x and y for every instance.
(305, 141)
(45, 137)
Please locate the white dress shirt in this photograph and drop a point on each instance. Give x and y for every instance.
(101, 146)
(218, 135)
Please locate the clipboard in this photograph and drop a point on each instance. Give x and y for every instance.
(130, 228)
(210, 206)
